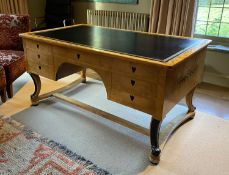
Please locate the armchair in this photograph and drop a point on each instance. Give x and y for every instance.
(11, 48)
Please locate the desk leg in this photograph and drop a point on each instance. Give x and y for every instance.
(155, 128)
(154, 139)
(189, 103)
(37, 84)
(83, 75)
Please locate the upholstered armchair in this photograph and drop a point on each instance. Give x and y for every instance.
(11, 48)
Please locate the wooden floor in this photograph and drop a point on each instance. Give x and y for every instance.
(211, 104)
(208, 98)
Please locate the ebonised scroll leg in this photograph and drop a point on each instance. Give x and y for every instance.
(154, 139)
(83, 75)
(37, 84)
(189, 98)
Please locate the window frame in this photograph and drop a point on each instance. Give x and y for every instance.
(215, 39)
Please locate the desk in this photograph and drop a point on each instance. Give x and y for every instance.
(147, 72)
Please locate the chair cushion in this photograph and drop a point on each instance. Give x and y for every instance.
(2, 78)
(7, 57)
(10, 27)
(13, 63)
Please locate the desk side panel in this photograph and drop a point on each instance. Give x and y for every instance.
(182, 78)
(39, 58)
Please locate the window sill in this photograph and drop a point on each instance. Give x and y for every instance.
(215, 40)
(218, 48)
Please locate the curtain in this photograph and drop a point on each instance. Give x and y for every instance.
(14, 6)
(172, 17)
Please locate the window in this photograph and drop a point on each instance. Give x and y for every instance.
(212, 18)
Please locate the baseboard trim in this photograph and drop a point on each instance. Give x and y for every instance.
(216, 79)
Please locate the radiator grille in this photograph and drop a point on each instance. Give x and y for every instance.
(117, 19)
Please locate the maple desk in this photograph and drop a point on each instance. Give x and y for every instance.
(148, 72)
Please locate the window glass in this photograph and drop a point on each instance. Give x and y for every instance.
(212, 18)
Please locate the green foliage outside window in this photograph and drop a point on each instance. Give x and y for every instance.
(213, 18)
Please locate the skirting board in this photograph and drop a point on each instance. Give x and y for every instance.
(217, 79)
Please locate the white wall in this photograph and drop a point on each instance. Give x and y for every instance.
(36, 9)
(80, 8)
(217, 68)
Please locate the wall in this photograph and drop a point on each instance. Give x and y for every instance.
(80, 8)
(217, 68)
(36, 10)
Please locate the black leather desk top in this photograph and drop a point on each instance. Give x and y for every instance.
(154, 47)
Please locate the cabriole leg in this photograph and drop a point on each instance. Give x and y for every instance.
(189, 98)
(37, 84)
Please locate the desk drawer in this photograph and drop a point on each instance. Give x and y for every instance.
(39, 57)
(73, 56)
(134, 86)
(142, 71)
(42, 70)
(133, 101)
(39, 46)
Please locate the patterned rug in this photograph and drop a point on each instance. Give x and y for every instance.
(24, 152)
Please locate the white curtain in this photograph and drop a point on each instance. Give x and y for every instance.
(172, 17)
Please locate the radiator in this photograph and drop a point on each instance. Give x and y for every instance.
(117, 19)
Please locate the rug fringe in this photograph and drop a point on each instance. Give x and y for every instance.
(29, 133)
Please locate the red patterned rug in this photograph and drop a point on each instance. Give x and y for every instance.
(24, 152)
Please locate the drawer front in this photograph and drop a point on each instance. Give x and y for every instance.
(42, 70)
(39, 57)
(141, 71)
(77, 57)
(87, 60)
(133, 86)
(133, 101)
(38, 46)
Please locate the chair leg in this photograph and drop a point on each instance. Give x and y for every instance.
(3, 95)
(9, 89)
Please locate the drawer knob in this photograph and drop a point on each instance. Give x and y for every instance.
(39, 67)
(132, 97)
(133, 69)
(38, 46)
(132, 82)
(78, 56)
(38, 56)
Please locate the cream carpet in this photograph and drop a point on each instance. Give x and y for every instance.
(199, 147)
